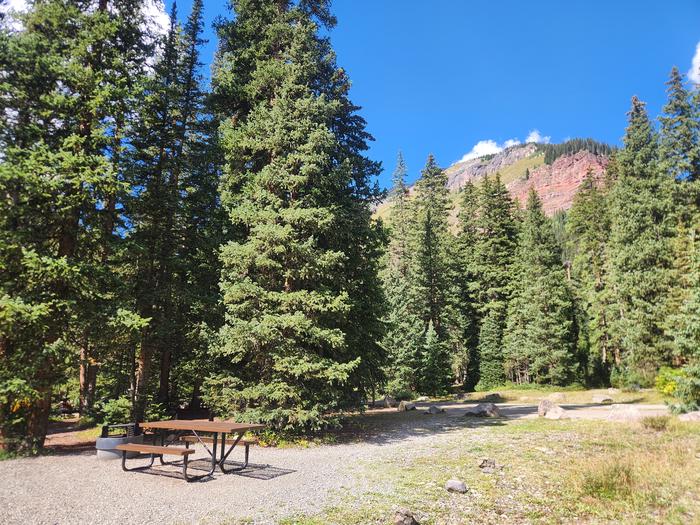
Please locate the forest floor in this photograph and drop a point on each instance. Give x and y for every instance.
(580, 470)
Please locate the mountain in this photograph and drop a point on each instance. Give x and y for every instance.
(555, 171)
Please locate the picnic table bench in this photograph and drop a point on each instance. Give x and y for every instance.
(217, 431)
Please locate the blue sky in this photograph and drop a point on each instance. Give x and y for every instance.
(440, 76)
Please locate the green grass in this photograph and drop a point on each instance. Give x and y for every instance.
(554, 472)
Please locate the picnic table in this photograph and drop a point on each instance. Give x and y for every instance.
(215, 435)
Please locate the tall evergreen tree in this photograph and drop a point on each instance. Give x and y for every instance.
(539, 338)
(467, 359)
(495, 252)
(67, 75)
(432, 293)
(679, 144)
(639, 250)
(404, 335)
(303, 301)
(588, 226)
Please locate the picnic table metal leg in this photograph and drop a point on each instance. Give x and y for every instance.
(222, 462)
(211, 470)
(153, 456)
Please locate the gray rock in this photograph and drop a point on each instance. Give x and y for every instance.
(556, 412)
(690, 416)
(483, 410)
(455, 485)
(602, 399)
(613, 391)
(544, 406)
(405, 517)
(405, 406)
(624, 413)
(432, 409)
(422, 399)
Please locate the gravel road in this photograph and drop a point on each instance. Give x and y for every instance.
(281, 482)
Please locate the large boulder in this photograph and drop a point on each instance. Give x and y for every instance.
(455, 485)
(405, 517)
(550, 410)
(422, 399)
(690, 416)
(386, 402)
(405, 406)
(493, 397)
(483, 410)
(603, 400)
(624, 413)
(432, 409)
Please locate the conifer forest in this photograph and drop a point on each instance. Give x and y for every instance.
(172, 238)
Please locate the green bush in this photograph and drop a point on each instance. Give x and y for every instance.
(687, 391)
(666, 381)
(115, 411)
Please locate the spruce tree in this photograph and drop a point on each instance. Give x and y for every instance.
(639, 251)
(432, 293)
(404, 335)
(495, 251)
(679, 144)
(588, 226)
(300, 342)
(435, 364)
(467, 359)
(539, 338)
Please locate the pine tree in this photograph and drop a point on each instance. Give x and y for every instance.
(432, 294)
(467, 360)
(67, 74)
(539, 338)
(495, 251)
(639, 250)
(303, 301)
(404, 335)
(588, 226)
(679, 145)
(435, 369)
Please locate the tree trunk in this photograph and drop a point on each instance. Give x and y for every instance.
(88, 379)
(38, 419)
(143, 370)
(164, 385)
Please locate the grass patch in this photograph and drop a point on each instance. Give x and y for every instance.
(608, 480)
(658, 423)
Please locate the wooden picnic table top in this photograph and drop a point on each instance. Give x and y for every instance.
(202, 425)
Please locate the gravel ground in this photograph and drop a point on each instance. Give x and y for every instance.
(280, 482)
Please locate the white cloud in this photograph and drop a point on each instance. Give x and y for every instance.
(694, 72)
(535, 136)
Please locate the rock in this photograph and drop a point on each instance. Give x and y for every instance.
(556, 412)
(405, 406)
(550, 410)
(432, 409)
(604, 400)
(483, 410)
(493, 397)
(422, 399)
(455, 485)
(489, 466)
(624, 413)
(556, 396)
(544, 406)
(690, 416)
(613, 391)
(405, 517)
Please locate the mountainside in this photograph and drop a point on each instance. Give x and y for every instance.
(523, 167)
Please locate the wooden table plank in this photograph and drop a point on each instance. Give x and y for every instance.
(202, 425)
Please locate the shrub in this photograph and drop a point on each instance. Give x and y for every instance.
(115, 411)
(608, 480)
(666, 381)
(687, 391)
(658, 423)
